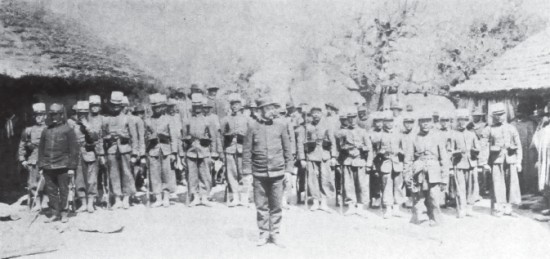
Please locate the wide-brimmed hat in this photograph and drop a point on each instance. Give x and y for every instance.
(156, 100)
(498, 108)
(265, 101)
(94, 99)
(82, 106)
(197, 99)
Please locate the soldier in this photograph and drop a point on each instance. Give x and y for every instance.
(175, 119)
(427, 165)
(198, 136)
(338, 172)
(253, 110)
(446, 132)
(390, 158)
(126, 105)
(357, 147)
(363, 119)
(502, 154)
(161, 148)
(266, 156)
(483, 179)
(95, 120)
(318, 155)
(57, 159)
(122, 149)
(234, 128)
(332, 116)
(408, 133)
(290, 178)
(214, 122)
(139, 168)
(465, 149)
(183, 105)
(218, 105)
(375, 180)
(91, 150)
(396, 108)
(28, 154)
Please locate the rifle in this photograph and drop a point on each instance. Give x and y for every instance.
(71, 194)
(342, 188)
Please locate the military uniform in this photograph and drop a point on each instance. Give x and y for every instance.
(427, 165)
(465, 148)
(161, 148)
(234, 129)
(121, 144)
(91, 147)
(375, 176)
(28, 151)
(389, 162)
(319, 149)
(357, 154)
(502, 154)
(199, 142)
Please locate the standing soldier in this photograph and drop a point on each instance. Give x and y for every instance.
(332, 116)
(465, 149)
(396, 108)
(28, 153)
(266, 156)
(171, 112)
(390, 157)
(95, 119)
(140, 173)
(91, 150)
(183, 105)
(122, 149)
(427, 166)
(57, 159)
(338, 172)
(408, 133)
(357, 149)
(198, 142)
(319, 154)
(234, 128)
(213, 121)
(483, 181)
(502, 154)
(290, 177)
(161, 148)
(446, 132)
(375, 180)
(218, 105)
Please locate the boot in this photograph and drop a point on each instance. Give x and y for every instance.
(195, 201)
(118, 203)
(277, 241)
(470, 211)
(315, 205)
(126, 202)
(54, 218)
(351, 209)
(388, 212)
(234, 202)
(82, 207)
(324, 207)
(158, 201)
(244, 200)
(64, 217)
(206, 202)
(90, 205)
(263, 240)
(166, 200)
(44, 203)
(396, 212)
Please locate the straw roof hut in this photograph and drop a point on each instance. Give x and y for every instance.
(520, 75)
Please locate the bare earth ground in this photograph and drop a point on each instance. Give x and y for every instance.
(220, 232)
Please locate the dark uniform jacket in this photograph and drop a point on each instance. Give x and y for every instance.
(58, 148)
(427, 162)
(266, 150)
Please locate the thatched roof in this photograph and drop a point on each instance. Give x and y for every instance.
(525, 68)
(35, 42)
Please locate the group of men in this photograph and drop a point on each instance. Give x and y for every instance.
(383, 159)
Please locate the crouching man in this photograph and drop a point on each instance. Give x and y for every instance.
(426, 164)
(267, 156)
(58, 154)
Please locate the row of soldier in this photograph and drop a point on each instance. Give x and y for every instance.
(395, 159)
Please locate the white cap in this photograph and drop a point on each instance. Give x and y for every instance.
(94, 99)
(116, 97)
(39, 107)
(82, 106)
(125, 100)
(197, 99)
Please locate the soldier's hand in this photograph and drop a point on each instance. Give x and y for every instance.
(303, 163)
(486, 168)
(101, 160)
(70, 172)
(40, 172)
(133, 159)
(519, 168)
(143, 161)
(173, 157)
(443, 187)
(333, 162)
(25, 163)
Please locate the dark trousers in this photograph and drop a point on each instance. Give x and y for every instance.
(430, 198)
(268, 196)
(57, 188)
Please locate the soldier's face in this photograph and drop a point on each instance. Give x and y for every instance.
(56, 117)
(396, 112)
(425, 125)
(444, 123)
(236, 107)
(116, 108)
(344, 122)
(316, 115)
(170, 110)
(362, 115)
(81, 115)
(388, 124)
(462, 123)
(377, 124)
(157, 109)
(95, 109)
(499, 118)
(197, 110)
(268, 112)
(206, 110)
(352, 121)
(40, 118)
(141, 115)
(408, 125)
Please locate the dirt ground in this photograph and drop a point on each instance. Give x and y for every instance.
(221, 232)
